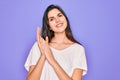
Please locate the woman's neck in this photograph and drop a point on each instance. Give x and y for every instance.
(60, 38)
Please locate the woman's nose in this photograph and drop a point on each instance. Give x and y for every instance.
(57, 19)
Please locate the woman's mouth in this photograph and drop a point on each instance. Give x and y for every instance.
(59, 25)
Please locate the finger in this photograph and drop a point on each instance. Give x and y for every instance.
(38, 34)
(46, 39)
(39, 38)
(41, 49)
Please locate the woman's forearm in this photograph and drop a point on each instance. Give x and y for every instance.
(36, 72)
(62, 75)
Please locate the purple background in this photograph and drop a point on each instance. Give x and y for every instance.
(95, 23)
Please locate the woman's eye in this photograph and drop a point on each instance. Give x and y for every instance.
(51, 19)
(60, 15)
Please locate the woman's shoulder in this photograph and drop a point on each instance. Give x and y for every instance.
(78, 46)
(35, 45)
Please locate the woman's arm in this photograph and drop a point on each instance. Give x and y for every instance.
(36, 70)
(77, 74)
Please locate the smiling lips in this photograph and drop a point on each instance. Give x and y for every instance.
(59, 25)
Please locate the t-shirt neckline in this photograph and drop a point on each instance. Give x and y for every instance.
(67, 48)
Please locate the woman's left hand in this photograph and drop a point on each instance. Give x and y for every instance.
(45, 47)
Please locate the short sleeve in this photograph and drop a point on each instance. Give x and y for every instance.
(79, 60)
(33, 56)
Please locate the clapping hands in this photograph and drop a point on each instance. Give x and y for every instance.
(44, 47)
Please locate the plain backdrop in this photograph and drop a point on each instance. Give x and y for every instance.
(94, 23)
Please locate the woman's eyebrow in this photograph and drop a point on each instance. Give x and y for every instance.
(57, 15)
(50, 17)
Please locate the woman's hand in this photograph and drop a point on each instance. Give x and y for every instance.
(39, 41)
(44, 47)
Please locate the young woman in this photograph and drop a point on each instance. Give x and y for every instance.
(56, 55)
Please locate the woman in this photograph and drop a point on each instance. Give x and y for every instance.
(56, 55)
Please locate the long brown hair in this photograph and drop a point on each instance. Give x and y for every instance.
(46, 28)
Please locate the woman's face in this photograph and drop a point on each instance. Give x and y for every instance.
(57, 21)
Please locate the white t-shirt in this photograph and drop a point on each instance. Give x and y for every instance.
(68, 58)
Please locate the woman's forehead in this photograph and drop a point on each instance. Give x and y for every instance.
(53, 12)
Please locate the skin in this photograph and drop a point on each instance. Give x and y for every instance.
(58, 24)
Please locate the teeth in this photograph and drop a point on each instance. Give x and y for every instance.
(59, 25)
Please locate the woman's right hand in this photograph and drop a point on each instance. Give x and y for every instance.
(39, 41)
